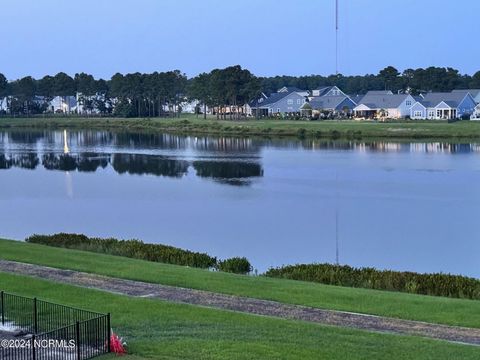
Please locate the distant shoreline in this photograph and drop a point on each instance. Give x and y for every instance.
(268, 128)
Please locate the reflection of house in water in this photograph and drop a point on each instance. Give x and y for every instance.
(231, 172)
(141, 164)
(226, 145)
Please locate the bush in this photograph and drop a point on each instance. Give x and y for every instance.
(236, 265)
(447, 285)
(129, 248)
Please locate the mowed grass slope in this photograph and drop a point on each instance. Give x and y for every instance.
(160, 330)
(189, 124)
(399, 305)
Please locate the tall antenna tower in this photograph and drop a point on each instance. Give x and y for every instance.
(336, 37)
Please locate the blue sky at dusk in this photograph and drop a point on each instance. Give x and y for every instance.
(269, 37)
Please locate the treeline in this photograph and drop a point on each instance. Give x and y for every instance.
(446, 285)
(411, 80)
(160, 93)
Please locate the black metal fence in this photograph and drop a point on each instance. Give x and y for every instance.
(44, 330)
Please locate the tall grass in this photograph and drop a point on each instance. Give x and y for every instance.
(129, 248)
(439, 284)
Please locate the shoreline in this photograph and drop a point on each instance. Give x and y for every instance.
(189, 125)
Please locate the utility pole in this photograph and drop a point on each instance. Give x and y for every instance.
(336, 37)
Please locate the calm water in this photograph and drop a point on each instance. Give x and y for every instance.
(411, 206)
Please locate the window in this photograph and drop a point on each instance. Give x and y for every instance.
(278, 110)
(431, 114)
(299, 101)
(409, 103)
(290, 102)
(417, 114)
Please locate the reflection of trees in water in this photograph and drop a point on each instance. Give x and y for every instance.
(25, 137)
(26, 161)
(85, 162)
(231, 172)
(150, 141)
(63, 162)
(5, 163)
(141, 164)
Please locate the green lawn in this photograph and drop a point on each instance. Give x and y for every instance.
(415, 307)
(189, 124)
(161, 330)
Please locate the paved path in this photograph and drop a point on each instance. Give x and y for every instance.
(245, 305)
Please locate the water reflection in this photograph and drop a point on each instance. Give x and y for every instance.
(141, 164)
(233, 161)
(233, 173)
(394, 200)
(229, 146)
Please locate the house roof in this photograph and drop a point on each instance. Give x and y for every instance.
(383, 101)
(327, 102)
(356, 98)
(452, 99)
(289, 89)
(323, 90)
(473, 92)
(379, 92)
(254, 103)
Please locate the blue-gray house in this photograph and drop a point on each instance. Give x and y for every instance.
(280, 103)
(336, 104)
(443, 106)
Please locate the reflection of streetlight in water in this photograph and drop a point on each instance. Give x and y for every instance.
(68, 176)
(66, 150)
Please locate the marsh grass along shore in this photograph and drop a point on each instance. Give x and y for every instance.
(191, 125)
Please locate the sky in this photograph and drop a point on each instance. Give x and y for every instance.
(269, 37)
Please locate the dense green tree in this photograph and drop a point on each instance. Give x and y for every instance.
(3, 85)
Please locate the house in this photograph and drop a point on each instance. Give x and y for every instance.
(476, 113)
(474, 92)
(290, 89)
(332, 104)
(384, 105)
(63, 104)
(379, 92)
(4, 108)
(443, 106)
(250, 108)
(327, 91)
(280, 103)
(92, 104)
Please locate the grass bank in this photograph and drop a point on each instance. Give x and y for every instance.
(191, 125)
(398, 305)
(161, 330)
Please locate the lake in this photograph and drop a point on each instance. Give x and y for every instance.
(403, 206)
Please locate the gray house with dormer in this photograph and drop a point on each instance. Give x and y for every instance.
(280, 103)
(443, 106)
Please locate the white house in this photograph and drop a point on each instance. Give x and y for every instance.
(63, 104)
(476, 113)
(4, 104)
(384, 105)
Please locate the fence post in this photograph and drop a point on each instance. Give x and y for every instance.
(3, 306)
(34, 351)
(77, 339)
(109, 335)
(35, 319)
